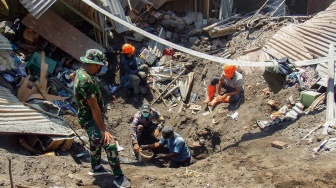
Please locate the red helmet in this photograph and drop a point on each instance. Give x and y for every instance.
(128, 49)
(229, 70)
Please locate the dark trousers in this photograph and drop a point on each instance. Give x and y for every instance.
(96, 145)
(178, 164)
(146, 134)
(134, 81)
(228, 89)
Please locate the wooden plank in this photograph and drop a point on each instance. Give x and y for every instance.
(22, 93)
(43, 91)
(330, 118)
(44, 72)
(59, 32)
(190, 81)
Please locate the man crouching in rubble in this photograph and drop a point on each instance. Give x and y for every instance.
(232, 81)
(90, 116)
(135, 75)
(144, 130)
(179, 153)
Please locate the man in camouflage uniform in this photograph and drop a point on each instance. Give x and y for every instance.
(146, 126)
(90, 116)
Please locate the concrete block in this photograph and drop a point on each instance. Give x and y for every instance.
(279, 144)
(299, 105)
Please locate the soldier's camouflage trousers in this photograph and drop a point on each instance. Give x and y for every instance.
(96, 146)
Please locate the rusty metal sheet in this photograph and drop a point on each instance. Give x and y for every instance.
(37, 7)
(4, 43)
(19, 119)
(59, 32)
(307, 40)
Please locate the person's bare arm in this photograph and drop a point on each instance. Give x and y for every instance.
(97, 116)
(72, 76)
(236, 92)
(169, 155)
(155, 145)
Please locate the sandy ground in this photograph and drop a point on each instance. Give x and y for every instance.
(235, 153)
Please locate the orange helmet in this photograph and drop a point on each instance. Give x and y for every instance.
(229, 70)
(128, 49)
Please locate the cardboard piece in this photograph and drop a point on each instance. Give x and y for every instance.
(59, 142)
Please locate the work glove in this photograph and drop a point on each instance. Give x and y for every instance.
(136, 148)
(142, 74)
(160, 156)
(144, 146)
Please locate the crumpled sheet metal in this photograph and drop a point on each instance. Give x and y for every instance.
(307, 40)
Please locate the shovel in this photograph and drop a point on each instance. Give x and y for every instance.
(212, 115)
(209, 108)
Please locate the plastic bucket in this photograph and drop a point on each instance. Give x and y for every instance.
(145, 155)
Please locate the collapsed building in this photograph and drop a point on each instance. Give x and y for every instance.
(65, 29)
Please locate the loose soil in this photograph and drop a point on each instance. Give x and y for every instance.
(233, 153)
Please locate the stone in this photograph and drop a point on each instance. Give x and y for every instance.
(279, 144)
(193, 40)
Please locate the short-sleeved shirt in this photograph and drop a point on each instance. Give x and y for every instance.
(236, 82)
(177, 145)
(86, 87)
(138, 119)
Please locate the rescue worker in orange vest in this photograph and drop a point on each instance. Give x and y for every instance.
(135, 74)
(232, 81)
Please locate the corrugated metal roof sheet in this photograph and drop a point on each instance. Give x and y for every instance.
(37, 7)
(115, 8)
(323, 72)
(157, 48)
(307, 40)
(19, 119)
(4, 43)
(225, 10)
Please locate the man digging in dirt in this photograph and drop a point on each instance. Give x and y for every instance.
(144, 130)
(232, 81)
(135, 75)
(179, 153)
(90, 116)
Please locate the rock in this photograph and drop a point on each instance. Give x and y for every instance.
(218, 43)
(213, 47)
(187, 20)
(193, 40)
(196, 145)
(202, 132)
(201, 156)
(279, 144)
(80, 183)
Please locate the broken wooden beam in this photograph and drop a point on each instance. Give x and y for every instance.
(223, 31)
(190, 81)
(170, 91)
(168, 86)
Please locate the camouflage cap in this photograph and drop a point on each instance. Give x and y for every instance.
(94, 56)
